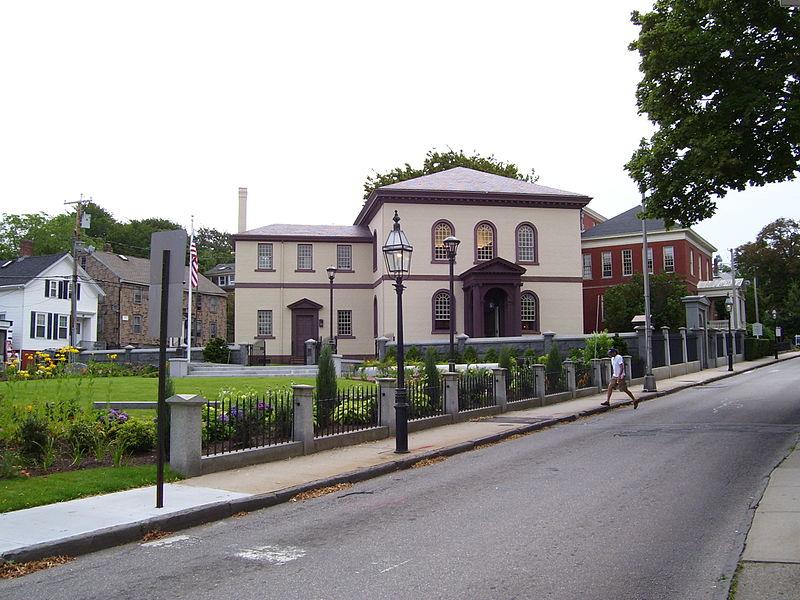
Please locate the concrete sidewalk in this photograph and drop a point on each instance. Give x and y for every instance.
(90, 524)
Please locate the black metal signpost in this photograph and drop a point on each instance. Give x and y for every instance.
(167, 257)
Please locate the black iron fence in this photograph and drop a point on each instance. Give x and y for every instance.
(247, 421)
(476, 390)
(583, 375)
(521, 383)
(425, 399)
(555, 382)
(353, 409)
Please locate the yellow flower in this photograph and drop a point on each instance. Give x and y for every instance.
(29, 408)
(113, 356)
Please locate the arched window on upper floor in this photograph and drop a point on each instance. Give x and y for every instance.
(526, 241)
(441, 231)
(485, 242)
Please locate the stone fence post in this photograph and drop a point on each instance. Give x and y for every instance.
(500, 391)
(569, 367)
(700, 339)
(461, 343)
(606, 362)
(539, 382)
(684, 347)
(303, 422)
(548, 340)
(597, 373)
(388, 387)
(186, 433)
(380, 347)
(450, 393)
(667, 357)
(626, 359)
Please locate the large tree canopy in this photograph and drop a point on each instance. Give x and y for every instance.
(721, 82)
(624, 301)
(773, 258)
(436, 161)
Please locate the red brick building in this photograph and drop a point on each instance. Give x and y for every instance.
(612, 252)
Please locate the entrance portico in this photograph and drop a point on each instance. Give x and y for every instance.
(492, 299)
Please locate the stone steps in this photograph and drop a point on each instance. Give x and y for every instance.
(219, 370)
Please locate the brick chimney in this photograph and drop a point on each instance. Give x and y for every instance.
(242, 209)
(26, 248)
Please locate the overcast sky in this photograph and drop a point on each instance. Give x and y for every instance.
(164, 109)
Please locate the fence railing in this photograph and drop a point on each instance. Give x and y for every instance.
(555, 382)
(352, 409)
(235, 423)
(583, 375)
(425, 399)
(521, 383)
(476, 390)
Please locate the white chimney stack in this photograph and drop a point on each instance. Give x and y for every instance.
(242, 209)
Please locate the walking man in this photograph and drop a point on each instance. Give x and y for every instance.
(618, 379)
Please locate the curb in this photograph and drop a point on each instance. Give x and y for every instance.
(201, 515)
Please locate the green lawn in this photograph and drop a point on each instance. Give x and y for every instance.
(136, 389)
(23, 492)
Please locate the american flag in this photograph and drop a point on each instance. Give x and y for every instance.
(194, 275)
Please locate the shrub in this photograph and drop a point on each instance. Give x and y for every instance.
(431, 371)
(216, 351)
(413, 355)
(326, 374)
(507, 359)
(354, 413)
(553, 362)
(137, 436)
(32, 436)
(490, 356)
(83, 435)
(470, 356)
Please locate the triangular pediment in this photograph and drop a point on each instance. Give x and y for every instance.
(496, 266)
(304, 303)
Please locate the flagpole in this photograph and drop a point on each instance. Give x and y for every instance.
(189, 303)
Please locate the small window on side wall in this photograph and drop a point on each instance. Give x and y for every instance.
(529, 305)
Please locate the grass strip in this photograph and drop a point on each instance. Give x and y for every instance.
(19, 493)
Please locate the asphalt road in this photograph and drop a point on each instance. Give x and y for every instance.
(646, 504)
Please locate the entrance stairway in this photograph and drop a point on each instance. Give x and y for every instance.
(220, 370)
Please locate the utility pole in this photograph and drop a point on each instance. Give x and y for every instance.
(76, 245)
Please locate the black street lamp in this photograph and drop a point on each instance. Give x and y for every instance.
(397, 253)
(775, 324)
(451, 243)
(331, 274)
(728, 307)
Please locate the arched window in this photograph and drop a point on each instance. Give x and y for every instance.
(441, 231)
(529, 305)
(441, 311)
(526, 243)
(484, 242)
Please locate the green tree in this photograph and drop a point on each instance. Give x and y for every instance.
(774, 258)
(720, 84)
(133, 238)
(326, 375)
(436, 161)
(624, 301)
(213, 247)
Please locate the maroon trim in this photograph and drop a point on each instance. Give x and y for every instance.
(264, 337)
(546, 279)
(477, 260)
(263, 270)
(242, 237)
(374, 250)
(379, 197)
(535, 260)
(305, 270)
(307, 286)
(435, 260)
(345, 337)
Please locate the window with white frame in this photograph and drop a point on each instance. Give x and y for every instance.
(344, 257)
(602, 301)
(344, 322)
(441, 231)
(137, 295)
(441, 311)
(528, 304)
(52, 288)
(265, 256)
(691, 261)
(650, 260)
(137, 323)
(213, 304)
(669, 259)
(627, 262)
(213, 328)
(264, 323)
(607, 272)
(587, 266)
(63, 326)
(305, 256)
(41, 325)
(484, 237)
(526, 244)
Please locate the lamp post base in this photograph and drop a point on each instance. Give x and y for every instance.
(649, 383)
